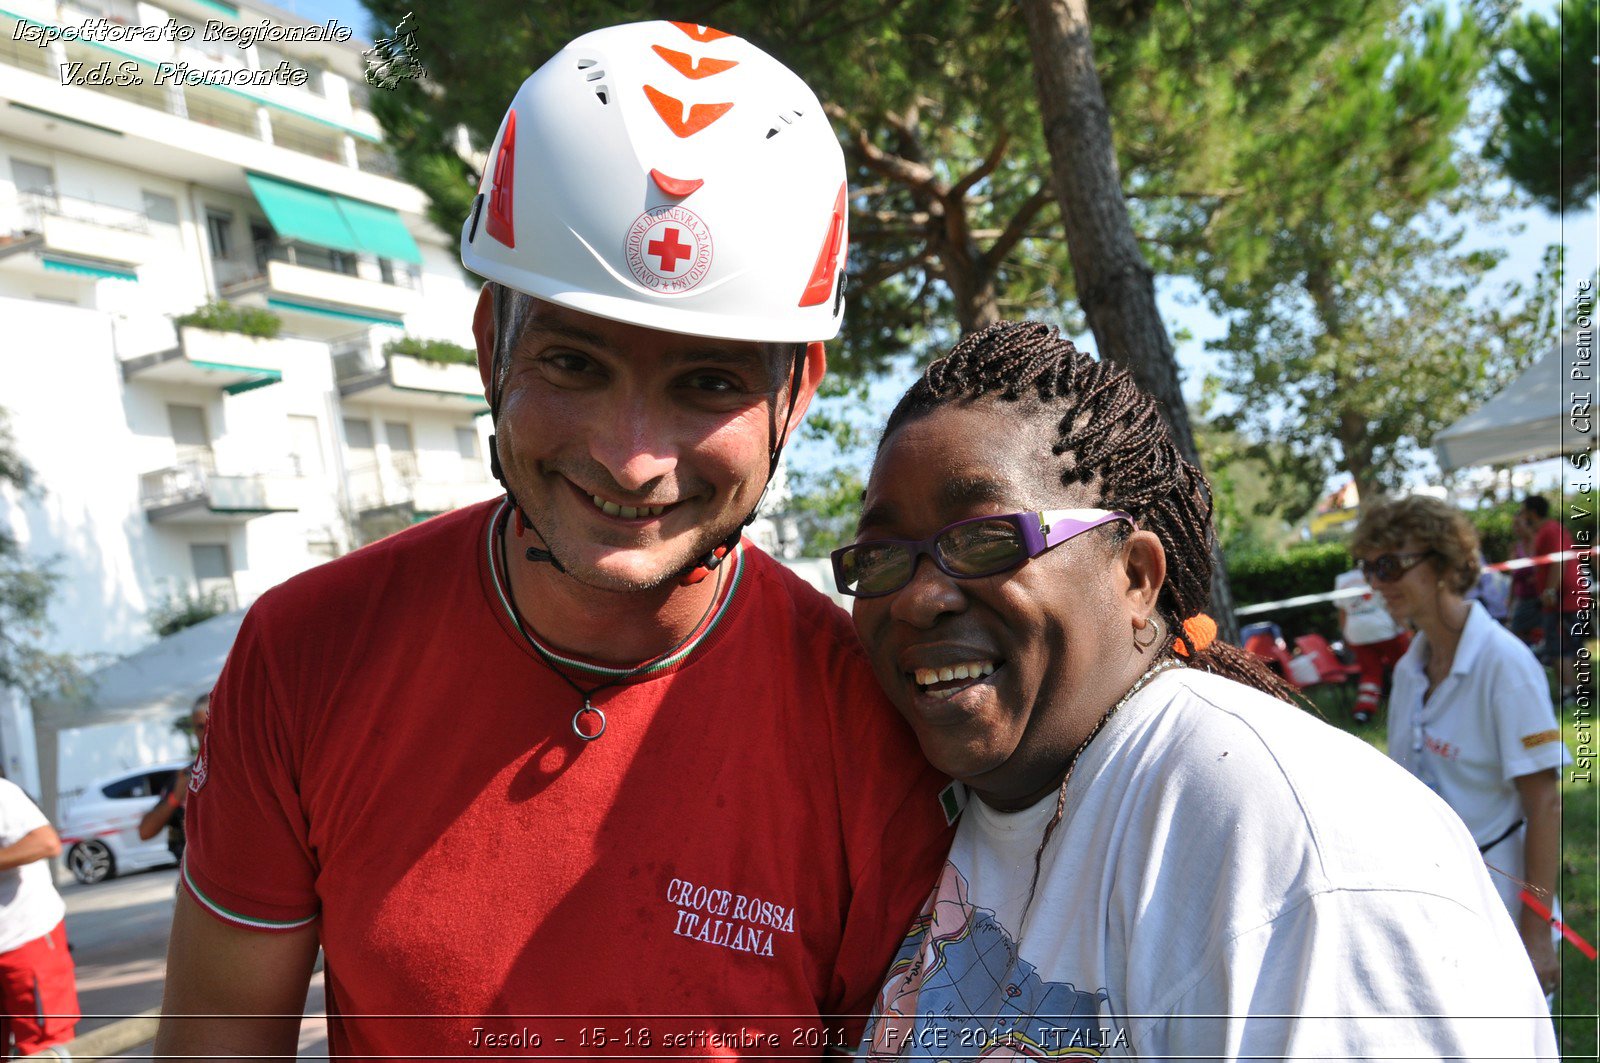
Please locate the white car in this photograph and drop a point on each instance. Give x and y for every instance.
(100, 825)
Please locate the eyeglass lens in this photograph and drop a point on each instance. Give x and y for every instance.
(971, 549)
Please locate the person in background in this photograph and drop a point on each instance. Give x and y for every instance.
(1373, 636)
(1525, 608)
(38, 984)
(1470, 714)
(168, 810)
(1561, 593)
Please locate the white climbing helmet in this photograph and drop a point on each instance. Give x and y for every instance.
(672, 176)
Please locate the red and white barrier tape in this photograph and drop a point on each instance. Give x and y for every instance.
(1356, 592)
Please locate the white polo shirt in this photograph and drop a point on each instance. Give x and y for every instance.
(30, 907)
(1489, 722)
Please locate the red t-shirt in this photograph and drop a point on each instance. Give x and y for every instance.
(1552, 538)
(746, 843)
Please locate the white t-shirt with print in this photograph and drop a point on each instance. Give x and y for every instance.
(30, 907)
(1231, 878)
(1489, 722)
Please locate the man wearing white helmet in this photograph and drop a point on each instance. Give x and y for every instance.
(581, 753)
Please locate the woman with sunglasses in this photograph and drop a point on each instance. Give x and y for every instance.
(1158, 857)
(1470, 712)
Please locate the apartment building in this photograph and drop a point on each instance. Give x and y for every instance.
(176, 462)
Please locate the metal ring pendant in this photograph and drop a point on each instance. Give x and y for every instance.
(588, 708)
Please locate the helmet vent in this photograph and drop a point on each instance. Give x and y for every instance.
(786, 120)
(593, 73)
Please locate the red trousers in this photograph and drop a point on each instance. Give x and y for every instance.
(1375, 659)
(39, 992)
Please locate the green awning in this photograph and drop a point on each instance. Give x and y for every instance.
(86, 269)
(305, 214)
(379, 230)
(326, 220)
(276, 303)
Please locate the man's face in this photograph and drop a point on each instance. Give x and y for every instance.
(635, 451)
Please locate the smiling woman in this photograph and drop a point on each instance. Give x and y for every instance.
(1161, 860)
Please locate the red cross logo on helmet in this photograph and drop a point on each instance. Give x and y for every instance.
(668, 249)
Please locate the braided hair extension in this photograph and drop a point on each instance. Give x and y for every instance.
(1111, 438)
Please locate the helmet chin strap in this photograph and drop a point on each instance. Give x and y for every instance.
(709, 562)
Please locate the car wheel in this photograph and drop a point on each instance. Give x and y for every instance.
(91, 862)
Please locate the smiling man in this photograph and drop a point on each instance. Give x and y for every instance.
(579, 770)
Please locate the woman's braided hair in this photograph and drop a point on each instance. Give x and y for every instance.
(1112, 439)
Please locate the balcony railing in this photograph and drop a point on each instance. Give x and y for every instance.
(191, 482)
(230, 271)
(33, 207)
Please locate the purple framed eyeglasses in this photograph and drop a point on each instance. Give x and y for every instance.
(967, 549)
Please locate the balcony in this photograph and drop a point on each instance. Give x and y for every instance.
(411, 383)
(393, 497)
(226, 360)
(191, 493)
(306, 282)
(65, 234)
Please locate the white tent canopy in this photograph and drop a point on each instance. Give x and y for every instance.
(124, 717)
(1531, 418)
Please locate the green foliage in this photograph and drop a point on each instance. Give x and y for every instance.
(825, 507)
(1302, 569)
(952, 221)
(222, 316)
(442, 352)
(1252, 515)
(1358, 324)
(175, 613)
(1547, 140)
(25, 588)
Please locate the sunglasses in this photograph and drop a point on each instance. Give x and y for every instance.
(967, 549)
(1386, 568)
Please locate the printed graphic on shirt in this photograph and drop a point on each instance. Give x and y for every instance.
(959, 990)
(1542, 738)
(727, 919)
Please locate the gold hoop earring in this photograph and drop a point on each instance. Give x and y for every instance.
(1154, 627)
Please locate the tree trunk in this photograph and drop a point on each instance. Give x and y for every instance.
(1115, 287)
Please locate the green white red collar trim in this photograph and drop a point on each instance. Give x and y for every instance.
(734, 564)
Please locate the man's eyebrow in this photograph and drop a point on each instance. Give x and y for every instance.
(576, 333)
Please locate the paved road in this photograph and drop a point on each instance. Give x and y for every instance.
(118, 931)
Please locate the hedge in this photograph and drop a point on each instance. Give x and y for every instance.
(1311, 569)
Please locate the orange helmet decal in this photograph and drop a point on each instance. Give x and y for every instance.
(501, 223)
(820, 286)
(675, 186)
(701, 33)
(671, 111)
(691, 68)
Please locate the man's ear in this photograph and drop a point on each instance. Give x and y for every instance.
(483, 334)
(1144, 565)
(811, 373)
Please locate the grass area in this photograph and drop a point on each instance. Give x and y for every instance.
(1579, 1001)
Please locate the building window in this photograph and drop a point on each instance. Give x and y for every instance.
(213, 571)
(219, 230)
(33, 180)
(305, 442)
(471, 456)
(190, 434)
(159, 208)
(402, 451)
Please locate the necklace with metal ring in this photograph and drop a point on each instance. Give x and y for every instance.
(1139, 684)
(588, 706)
